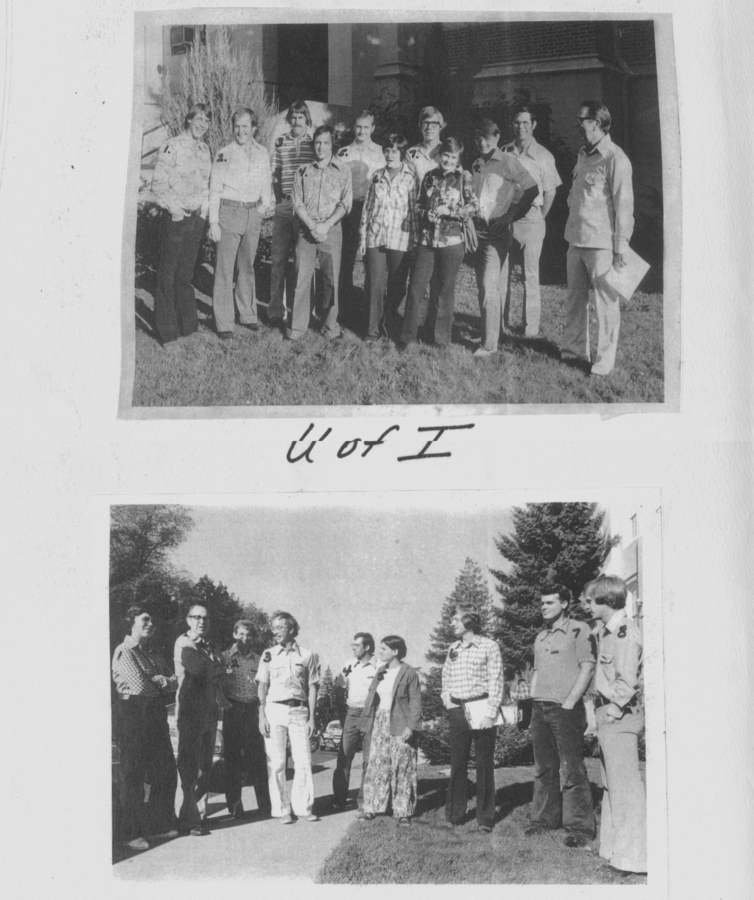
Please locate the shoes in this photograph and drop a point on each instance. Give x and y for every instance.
(401, 346)
(137, 844)
(366, 817)
(163, 835)
(225, 335)
(481, 353)
(339, 807)
(404, 822)
(238, 812)
(276, 323)
(534, 829)
(624, 873)
(263, 814)
(312, 817)
(485, 829)
(170, 347)
(597, 370)
(576, 840)
(252, 326)
(286, 819)
(370, 339)
(196, 831)
(575, 362)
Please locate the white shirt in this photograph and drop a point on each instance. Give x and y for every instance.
(387, 686)
(238, 175)
(363, 161)
(356, 676)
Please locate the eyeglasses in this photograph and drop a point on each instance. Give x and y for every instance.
(586, 118)
(428, 122)
(200, 618)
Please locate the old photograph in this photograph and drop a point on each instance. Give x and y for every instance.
(457, 695)
(389, 214)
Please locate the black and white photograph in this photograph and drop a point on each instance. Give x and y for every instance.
(457, 695)
(397, 211)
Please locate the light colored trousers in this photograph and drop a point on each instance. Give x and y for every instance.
(528, 237)
(587, 265)
(307, 252)
(289, 723)
(491, 268)
(239, 236)
(623, 828)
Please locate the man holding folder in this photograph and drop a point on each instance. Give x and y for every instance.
(473, 672)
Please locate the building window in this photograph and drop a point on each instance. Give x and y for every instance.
(182, 37)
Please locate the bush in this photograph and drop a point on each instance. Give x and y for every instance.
(225, 78)
(512, 747)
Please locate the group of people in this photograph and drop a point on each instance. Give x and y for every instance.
(268, 703)
(412, 212)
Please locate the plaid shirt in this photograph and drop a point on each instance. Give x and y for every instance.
(241, 683)
(321, 189)
(181, 176)
(389, 215)
(474, 669)
(134, 666)
(289, 155)
(454, 190)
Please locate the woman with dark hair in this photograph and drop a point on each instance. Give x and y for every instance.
(446, 201)
(181, 186)
(392, 712)
(388, 232)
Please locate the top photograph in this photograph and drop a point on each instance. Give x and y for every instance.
(377, 217)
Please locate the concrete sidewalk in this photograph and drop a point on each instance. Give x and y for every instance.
(252, 849)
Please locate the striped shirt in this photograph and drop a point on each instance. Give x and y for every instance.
(321, 189)
(453, 190)
(134, 666)
(473, 669)
(559, 652)
(241, 683)
(238, 175)
(289, 155)
(389, 215)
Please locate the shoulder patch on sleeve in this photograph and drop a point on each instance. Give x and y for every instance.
(302, 169)
(343, 151)
(221, 157)
(593, 644)
(279, 142)
(576, 632)
(266, 656)
(622, 631)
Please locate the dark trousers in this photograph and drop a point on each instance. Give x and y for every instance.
(461, 737)
(446, 261)
(282, 276)
(351, 223)
(562, 794)
(196, 746)
(174, 299)
(386, 269)
(244, 751)
(348, 746)
(146, 756)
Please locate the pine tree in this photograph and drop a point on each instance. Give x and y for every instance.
(327, 708)
(470, 590)
(550, 542)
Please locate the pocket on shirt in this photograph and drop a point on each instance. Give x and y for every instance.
(596, 180)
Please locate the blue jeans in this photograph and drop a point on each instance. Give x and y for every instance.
(562, 793)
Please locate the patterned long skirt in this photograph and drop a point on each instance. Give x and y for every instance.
(391, 771)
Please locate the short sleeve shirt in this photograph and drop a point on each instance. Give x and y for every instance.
(422, 161)
(363, 162)
(540, 164)
(241, 684)
(499, 182)
(289, 672)
(619, 660)
(357, 677)
(558, 654)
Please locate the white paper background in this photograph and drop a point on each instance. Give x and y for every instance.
(64, 152)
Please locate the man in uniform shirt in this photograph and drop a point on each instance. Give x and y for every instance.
(321, 198)
(426, 155)
(505, 191)
(529, 230)
(599, 227)
(145, 685)
(288, 678)
(244, 747)
(363, 157)
(356, 677)
(473, 671)
(563, 668)
(292, 150)
(620, 720)
(240, 188)
(199, 669)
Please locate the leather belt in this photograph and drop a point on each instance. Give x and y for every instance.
(291, 702)
(469, 699)
(239, 204)
(142, 697)
(628, 708)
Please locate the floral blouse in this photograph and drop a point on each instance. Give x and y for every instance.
(389, 215)
(454, 190)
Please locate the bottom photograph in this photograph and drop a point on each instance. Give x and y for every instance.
(422, 688)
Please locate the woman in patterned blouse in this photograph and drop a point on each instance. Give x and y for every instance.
(446, 200)
(388, 232)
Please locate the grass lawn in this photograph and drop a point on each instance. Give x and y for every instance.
(380, 852)
(259, 369)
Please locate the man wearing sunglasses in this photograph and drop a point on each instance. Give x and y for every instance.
(599, 227)
(198, 668)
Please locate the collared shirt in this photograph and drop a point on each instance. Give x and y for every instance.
(389, 215)
(134, 666)
(289, 672)
(320, 190)
(288, 155)
(181, 176)
(559, 652)
(619, 659)
(241, 683)
(601, 200)
(498, 182)
(473, 669)
(363, 161)
(238, 175)
(422, 161)
(356, 677)
(540, 164)
(198, 669)
(454, 190)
